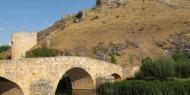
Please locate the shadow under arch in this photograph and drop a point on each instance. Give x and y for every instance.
(75, 79)
(8, 87)
(116, 77)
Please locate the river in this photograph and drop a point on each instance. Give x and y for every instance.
(78, 92)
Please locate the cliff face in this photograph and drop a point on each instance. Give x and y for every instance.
(130, 31)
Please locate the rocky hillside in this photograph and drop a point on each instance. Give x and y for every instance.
(126, 30)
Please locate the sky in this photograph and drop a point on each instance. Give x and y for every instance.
(34, 15)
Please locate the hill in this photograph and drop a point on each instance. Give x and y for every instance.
(126, 30)
(130, 32)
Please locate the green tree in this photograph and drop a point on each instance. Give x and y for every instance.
(4, 48)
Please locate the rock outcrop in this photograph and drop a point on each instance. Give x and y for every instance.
(152, 27)
(111, 3)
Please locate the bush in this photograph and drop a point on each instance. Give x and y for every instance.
(43, 52)
(178, 55)
(182, 68)
(159, 69)
(4, 48)
(113, 59)
(140, 87)
(79, 15)
(178, 66)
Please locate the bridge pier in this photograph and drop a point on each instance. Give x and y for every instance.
(26, 90)
(41, 87)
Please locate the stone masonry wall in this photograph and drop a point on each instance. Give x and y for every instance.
(40, 76)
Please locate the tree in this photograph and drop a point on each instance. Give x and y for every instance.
(4, 48)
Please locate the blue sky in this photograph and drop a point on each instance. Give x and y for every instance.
(34, 15)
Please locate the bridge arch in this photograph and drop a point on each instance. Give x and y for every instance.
(116, 77)
(75, 78)
(53, 69)
(8, 87)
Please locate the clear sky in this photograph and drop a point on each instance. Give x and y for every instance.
(34, 15)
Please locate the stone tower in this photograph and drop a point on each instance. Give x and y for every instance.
(21, 43)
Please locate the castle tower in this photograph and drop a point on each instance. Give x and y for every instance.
(21, 43)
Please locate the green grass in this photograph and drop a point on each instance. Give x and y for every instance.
(141, 87)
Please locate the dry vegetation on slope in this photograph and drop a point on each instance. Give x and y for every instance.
(131, 32)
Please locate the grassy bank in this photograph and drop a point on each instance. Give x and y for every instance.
(164, 76)
(177, 66)
(141, 87)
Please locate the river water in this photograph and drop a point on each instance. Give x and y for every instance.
(78, 92)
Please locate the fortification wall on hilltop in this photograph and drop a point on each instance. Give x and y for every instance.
(22, 42)
(111, 2)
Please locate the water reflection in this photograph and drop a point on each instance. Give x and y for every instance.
(78, 92)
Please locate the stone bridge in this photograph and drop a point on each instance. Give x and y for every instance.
(43, 76)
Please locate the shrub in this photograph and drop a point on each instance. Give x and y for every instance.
(147, 60)
(164, 68)
(113, 59)
(182, 68)
(79, 15)
(178, 55)
(43, 52)
(4, 48)
(159, 69)
(178, 66)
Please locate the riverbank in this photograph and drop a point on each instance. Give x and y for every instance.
(143, 87)
(163, 76)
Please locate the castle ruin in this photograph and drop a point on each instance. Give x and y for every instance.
(111, 2)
